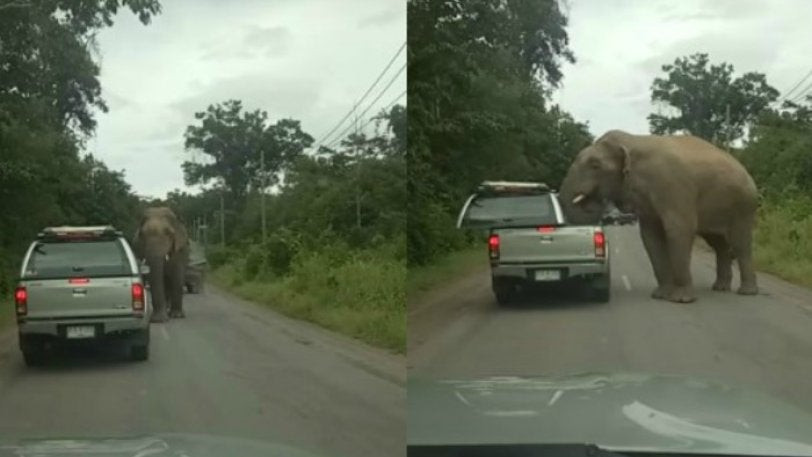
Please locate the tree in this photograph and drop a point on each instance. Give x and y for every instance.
(777, 155)
(49, 90)
(46, 69)
(480, 77)
(234, 140)
(703, 93)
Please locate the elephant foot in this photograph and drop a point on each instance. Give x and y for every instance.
(681, 295)
(748, 289)
(659, 293)
(177, 313)
(721, 285)
(159, 317)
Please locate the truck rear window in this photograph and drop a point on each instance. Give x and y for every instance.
(530, 209)
(86, 258)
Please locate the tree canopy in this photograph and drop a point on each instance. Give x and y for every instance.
(480, 76)
(233, 141)
(703, 94)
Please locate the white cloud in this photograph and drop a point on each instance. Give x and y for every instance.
(621, 45)
(306, 59)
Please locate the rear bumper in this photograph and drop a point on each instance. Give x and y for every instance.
(106, 327)
(525, 272)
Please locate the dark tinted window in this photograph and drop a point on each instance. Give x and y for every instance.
(530, 209)
(87, 258)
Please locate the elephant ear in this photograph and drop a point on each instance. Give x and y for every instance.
(620, 153)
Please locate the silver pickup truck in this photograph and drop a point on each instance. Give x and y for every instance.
(81, 285)
(530, 243)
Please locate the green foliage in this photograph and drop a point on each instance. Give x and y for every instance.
(234, 141)
(49, 91)
(356, 292)
(778, 153)
(783, 239)
(480, 76)
(702, 93)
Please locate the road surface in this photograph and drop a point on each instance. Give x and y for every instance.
(762, 341)
(230, 368)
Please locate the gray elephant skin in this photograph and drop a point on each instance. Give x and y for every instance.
(679, 186)
(162, 241)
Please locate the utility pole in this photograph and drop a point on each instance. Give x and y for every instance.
(222, 221)
(358, 178)
(262, 189)
(727, 127)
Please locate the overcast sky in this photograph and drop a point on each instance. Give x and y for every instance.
(621, 45)
(306, 59)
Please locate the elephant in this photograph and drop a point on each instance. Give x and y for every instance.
(679, 186)
(161, 240)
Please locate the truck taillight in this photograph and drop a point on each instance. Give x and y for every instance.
(21, 300)
(493, 246)
(600, 244)
(138, 296)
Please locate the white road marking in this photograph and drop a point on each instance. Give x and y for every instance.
(164, 333)
(626, 282)
(617, 250)
(556, 396)
(462, 399)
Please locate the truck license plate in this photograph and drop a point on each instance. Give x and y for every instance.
(547, 275)
(84, 331)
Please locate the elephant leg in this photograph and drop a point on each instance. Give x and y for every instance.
(741, 240)
(175, 273)
(680, 244)
(724, 260)
(653, 236)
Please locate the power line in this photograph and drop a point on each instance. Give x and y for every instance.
(372, 119)
(361, 100)
(380, 94)
(788, 94)
(804, 92)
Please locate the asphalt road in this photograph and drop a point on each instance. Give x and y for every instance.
(762, 341)
(230, 368)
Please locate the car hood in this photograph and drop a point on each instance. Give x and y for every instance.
(620, 412)
(188, 445)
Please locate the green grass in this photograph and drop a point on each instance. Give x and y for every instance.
(6, 313)
(423, 279)
(360, 294)
(783, 241)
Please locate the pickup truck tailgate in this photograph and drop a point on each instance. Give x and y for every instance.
(546, 244)
(65, 298)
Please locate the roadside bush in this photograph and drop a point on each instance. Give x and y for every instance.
(783, 238)
(217, 256)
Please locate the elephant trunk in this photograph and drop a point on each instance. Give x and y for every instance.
(157, 281)
(571, 197)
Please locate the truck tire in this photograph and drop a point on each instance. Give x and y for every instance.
(600, 288)
(139, 348)
(504, 292)
(34, 357)
(33, 351)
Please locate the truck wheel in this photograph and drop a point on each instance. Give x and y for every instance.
(600, 289)
(34, 357)
(33, 351)
(504, 292)
(139, 348)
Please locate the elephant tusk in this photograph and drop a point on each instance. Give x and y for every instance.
(578, 199)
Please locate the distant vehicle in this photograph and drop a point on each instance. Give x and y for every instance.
(617, 217)
(529, 241)
(196, 269)
(81, 284)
